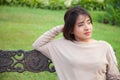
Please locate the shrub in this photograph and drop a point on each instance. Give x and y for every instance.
(113, 12)
(52, 4)
(56, 5)
(90, 4)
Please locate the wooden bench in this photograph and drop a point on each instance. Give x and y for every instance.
(20, 61)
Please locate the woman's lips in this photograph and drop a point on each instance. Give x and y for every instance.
(87, 33)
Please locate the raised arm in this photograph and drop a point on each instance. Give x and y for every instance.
(47, 37)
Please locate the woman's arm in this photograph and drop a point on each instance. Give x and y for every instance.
(47, 36)
(42, 43)
(112, 51)
(112, 68)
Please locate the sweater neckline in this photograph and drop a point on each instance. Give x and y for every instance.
(81, 42)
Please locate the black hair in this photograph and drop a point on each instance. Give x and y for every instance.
(70, 18)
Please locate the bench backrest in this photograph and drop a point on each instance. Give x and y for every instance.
(20, 61)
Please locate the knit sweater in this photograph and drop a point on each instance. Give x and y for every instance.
(75, 60)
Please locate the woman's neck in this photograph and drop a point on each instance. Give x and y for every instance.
(87, 40)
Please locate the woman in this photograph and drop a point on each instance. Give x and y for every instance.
(77, 56)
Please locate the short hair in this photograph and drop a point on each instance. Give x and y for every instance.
(70, 18)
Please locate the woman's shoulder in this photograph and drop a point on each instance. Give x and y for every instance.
(60, 40)
(105, 43)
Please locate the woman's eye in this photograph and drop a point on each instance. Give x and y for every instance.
(89, 22)
(80, 25)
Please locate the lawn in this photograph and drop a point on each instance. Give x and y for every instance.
(19, 27)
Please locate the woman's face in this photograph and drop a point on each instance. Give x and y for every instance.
(83, 28)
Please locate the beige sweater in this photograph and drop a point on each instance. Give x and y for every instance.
(77, 60)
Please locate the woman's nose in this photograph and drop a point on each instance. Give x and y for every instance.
(87, 27)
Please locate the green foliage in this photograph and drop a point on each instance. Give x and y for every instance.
(52, 4)
(113, 12)
(55, 4)
(91, 4)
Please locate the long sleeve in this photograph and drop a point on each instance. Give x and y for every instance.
(113, 53)
(112, 68)
(41, 43)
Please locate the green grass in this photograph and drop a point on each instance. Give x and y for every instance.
(19, 27)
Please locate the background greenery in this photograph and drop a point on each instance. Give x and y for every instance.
(21, 26)
(112, 7)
